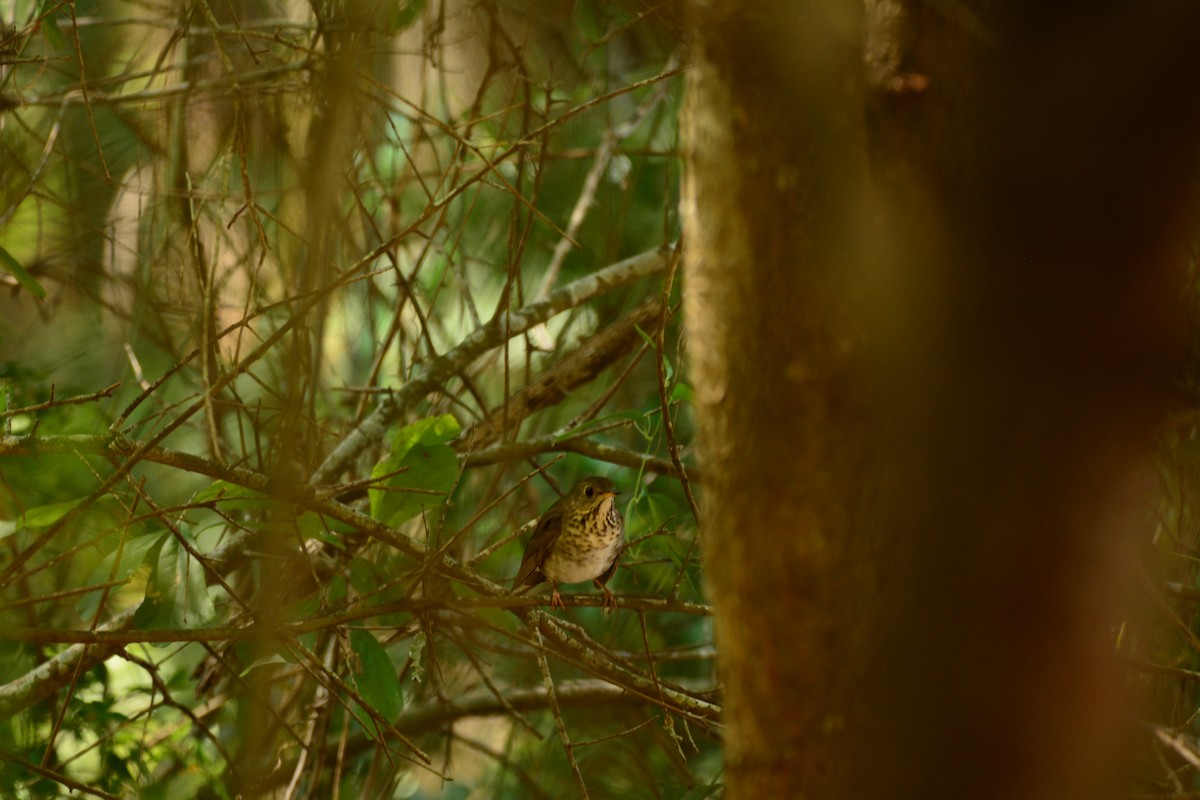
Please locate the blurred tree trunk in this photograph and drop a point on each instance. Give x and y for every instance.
(926, 417)
(773, 209)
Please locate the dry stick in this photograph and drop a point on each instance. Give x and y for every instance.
(435, 716)
(245, 686)
(1162, 669)
(350, 275)
(318, 499)
(313, 498)
(70, 401)
(74, 681)
(592, 661)
(208, 319)
(148, 390)
(55, 776)
(320, 701)
(408, 296)
(668, 720)
(483, 554)
(577, 368)
(63, 595)
(554, 709)
(116, 636)
(83, 90)
(346, 692)
(135, 457)
(187, 546)
(47, 677)
(483, 511)
(583, 692)
(340, 758)
(650, 656)
(617, 735)
(554, 443)
(591, 183)
(668, 424)
(527, 781)
(434, 372)
(219, 87)
(1179, 743)
(571, 628)
(499, 695)
(151, 669)
(36, 174)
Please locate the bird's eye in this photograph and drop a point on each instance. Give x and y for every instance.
(589, 491)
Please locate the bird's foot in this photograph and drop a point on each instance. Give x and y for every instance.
(556, 600)
(610, 600)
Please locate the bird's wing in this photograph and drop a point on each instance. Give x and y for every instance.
(544, 536)
(604, 577)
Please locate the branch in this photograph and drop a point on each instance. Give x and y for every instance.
(70, 401)
(433, 373)
(554, 443)
(113, 636)
(599, 665)
(580, 366)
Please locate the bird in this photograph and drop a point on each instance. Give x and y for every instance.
(578, 538)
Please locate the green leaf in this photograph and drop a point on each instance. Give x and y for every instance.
(648, 339)
(264, 661)
(337, 591)
(653, 510)
(428, 465)
(377, 681)
(431, 430)
(49, 24)
(363, 577)
(44, 516)
(404, 14)
(231, 496)
(13, 267)
(132, 556)
(314, 526)
(682, 393)
(47, 515)
(177, 593)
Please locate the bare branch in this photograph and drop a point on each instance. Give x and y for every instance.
(433, 373)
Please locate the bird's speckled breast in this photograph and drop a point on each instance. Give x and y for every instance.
(590, 549)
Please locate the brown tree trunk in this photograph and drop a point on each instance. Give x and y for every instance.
(925, 450)
(774, 214)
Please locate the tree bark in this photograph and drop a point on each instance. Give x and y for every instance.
(927, 401)
(774, 217)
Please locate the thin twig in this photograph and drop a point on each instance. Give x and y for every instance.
(559, 724)
(433, 373)
(70, 401)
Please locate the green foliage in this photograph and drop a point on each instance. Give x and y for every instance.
(14, 268)
(129, 554)
(177, 592)
(376, 679)
(265, 229)
(418, 473)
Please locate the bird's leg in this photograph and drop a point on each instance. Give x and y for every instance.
(610, 600)
(555, 597)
